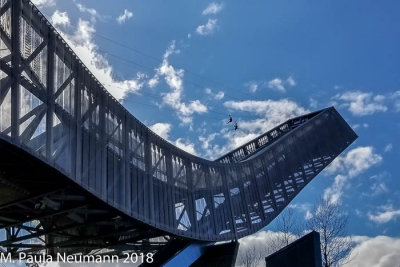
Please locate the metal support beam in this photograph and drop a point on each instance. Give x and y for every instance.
(51, 43)
(15, 68)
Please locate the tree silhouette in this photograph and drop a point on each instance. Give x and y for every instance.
(331, 223)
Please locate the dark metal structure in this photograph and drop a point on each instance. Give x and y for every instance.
(78, 173)
(305, 251)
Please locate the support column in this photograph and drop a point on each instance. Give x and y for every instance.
(170, 193)
(191, 202)
(78, 141)
(210, 201)
(245, 207)
(103, 148)
(148, 179)
(257, 189)
(15, 68)
(126, 165)
(225, 184)
(50, 93)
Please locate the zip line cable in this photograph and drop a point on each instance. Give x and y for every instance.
(158, 97)
(154, 58)
(169, 108)
(212, 126)
(158, 60)
(152, 69)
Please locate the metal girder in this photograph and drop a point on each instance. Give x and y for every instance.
(5, 84)
(4, 8)
(64, 85)
(15, 63)
(51, 43)
(25, 63)
(30, 198)
(27, 134)
(34, 89)
(4, 37)
(37, 111)
(78, 242)
(43, 216)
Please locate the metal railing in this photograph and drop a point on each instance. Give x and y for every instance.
(250, 148)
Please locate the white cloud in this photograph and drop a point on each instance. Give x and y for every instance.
(212, 9)
(334, 193)
(279, 84)
(275, 110)
(84, 9)
(164, 130)
(194, 106)
(361, 104)
(208, 28)
(388, 148)
(271, 113)
(379, 251)
(218, 96)
(211, 151)
(125, 16)
(313, 103)
(174, 79)
(395, 97)
(378, 188)
(206, 140)
(290, 81)
(81, 41)
(186, 145)
(360, 125)
(60, 19)
(308, 215)
(153, 82)
(303, 207)
(253, 86)
(377, 185)
(385, 214)
(276, 84)
(44, 3)
(354, 161)
(263, 242)
(349, 166)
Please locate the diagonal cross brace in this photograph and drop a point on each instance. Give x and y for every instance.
(32, 56)
(64, 85)
(5, 84)
(4, 8)
(30, 130)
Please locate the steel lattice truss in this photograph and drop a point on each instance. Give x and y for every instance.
(114, 184)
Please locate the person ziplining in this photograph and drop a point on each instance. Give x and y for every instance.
(229, 120)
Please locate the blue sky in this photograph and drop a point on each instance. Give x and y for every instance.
(183, 66)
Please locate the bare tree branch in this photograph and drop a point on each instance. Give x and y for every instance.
(287, 226)
(331, 223)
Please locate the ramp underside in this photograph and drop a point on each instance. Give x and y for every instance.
(42, 211)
